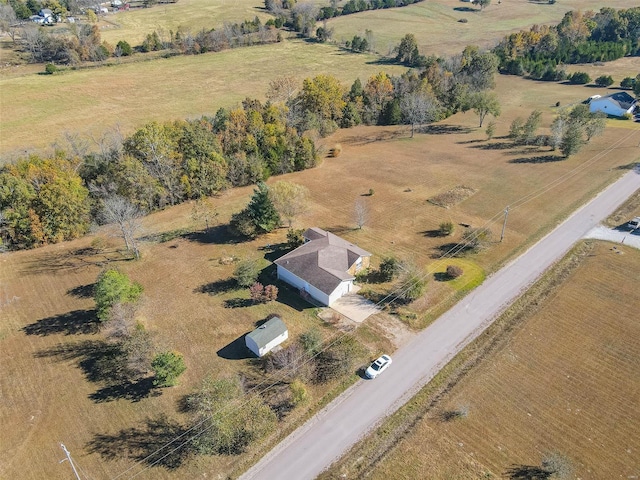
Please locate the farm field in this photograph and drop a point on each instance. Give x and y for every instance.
(187, 15)
(438, 30)
(47, 398)
(564, 382)
(91, 101)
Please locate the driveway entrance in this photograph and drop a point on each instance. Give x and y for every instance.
(355, 307)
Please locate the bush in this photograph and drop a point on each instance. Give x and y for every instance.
(337, 360)
(246, 273)
(389, 269)
(579, 78)
(294, 237)
(335, 151)
(311, 341)
(446, 228)
(454, 271)
(168, 366)
(627, 116)
(298, 392)
(50, 69)
(114, 287)
(124, 48)
(604, 81)
(263, 294)
(463, 20)
(628, 82)
(371, 192)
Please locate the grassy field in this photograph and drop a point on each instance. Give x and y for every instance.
(46, 396)
(187, 15)
(564, 381)
(438, 30)
(92, 100)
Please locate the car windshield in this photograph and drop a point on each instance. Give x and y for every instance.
(376, 366)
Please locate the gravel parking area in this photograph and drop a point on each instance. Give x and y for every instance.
(622, 236)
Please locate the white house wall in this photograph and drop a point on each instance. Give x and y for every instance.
(607, 107)
(286, 276)
(253, 346)
(341, 290)
(274, 343)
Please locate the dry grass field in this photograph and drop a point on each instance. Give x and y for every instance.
(90, 101)
(565, 382)
(46, 397)
(186, 15)
(435, 23)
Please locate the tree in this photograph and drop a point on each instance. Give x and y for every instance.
(491, 130)
(126, 215)
(389, 269)
(628, 82)
(304, 17)
(263, 294)
(558, 128)
(289, 199)
(475, 239)
(225, 420)
(482, 3)
(282, 89)
(361, 212)
(572, 139)
(323, 95)
(408, 50)
(204, 211)
(123, 49)
(531, 126)
(167, 366)
(595, 125)
(483, 104)
(604, 81)
(114, 287)
(377, 92)
(418, 108)
(295, 237)
(260, 216)
(246, 273)
(8, 21)
(579, 78)
(411, 284)
(636, 86)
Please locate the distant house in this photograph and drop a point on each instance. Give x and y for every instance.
(615, 104)
(324, 267)
(267, 336)
(46, 13)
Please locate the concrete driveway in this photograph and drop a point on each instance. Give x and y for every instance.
(355, 307)
(619, 235)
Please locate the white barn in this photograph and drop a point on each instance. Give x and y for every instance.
(616, 104)
(324, 267)
(267, 336)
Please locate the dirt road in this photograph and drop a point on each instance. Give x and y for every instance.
(314, 446)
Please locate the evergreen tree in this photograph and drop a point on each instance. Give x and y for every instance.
(262, 211)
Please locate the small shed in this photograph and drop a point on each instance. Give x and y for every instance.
(267, 336)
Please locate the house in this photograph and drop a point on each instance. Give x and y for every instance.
(324, 267)
(46, 13)
(615, 104)
(267, 336)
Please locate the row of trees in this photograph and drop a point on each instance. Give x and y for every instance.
(579, 38)
(116, 298)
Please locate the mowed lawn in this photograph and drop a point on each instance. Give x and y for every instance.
(437, 28)
(567, 382)
(39, 109)
(186, 15)
(46, 396)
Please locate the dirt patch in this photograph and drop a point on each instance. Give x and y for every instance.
(392, 328)
(452, 197)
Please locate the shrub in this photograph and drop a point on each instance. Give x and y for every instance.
(335, 151)
(114, 287)
(628, 82)
(168, 366)
(491, 130)
(124, 48)
(294, 237)
(298, 392)
(337, 360)
(246, 273)
(263, 294)
(604, 81)
(477, 238)
(311, 341)
(50, 69)
(463, 20)
(627, 116)
(371, 192)
(389, 269)
(453, 271)
(579, 78)
(446, 228)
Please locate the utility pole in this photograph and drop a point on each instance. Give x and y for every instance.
(504, 225)
(66, 452)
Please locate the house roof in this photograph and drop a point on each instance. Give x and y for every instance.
(268, 331)
(323, 261)
(622, 99)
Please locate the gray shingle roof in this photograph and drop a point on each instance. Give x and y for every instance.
(622, 99)
(323, 261)
(268, 331)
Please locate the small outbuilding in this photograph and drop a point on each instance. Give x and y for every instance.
(267, 336)
(615, 104)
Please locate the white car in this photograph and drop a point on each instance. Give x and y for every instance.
(378, 366)
(634, 224)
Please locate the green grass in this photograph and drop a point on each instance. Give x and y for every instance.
(89, 101)
(438, 31)
(186, 15)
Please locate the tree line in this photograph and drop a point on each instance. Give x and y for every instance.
(581, 37)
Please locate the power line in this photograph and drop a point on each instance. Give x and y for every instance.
(394, 295)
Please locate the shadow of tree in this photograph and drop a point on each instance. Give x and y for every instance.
(236, 350)
(340, 229)
(48, 262)
(538, 159)
(71, 323)
(494, 146)
(452, 249)
(527, 472)
(238, 303)
(431, 233)
(465, 9)
(445, 129)
(103, 363)
(629, 166)
(82, 291)
(441, 277)
(133, 391)
(149, 444)
(219, 286)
